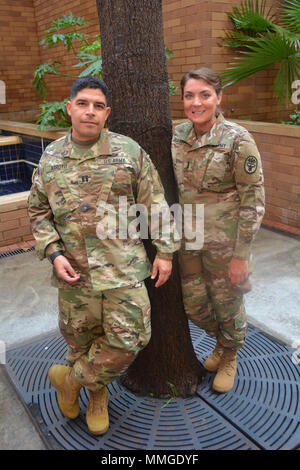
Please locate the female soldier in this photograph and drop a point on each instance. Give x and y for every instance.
(217, 165)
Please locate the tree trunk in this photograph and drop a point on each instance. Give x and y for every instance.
(134, 68)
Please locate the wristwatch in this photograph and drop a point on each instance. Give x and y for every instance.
(54, 255)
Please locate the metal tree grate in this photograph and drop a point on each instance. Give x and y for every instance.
(264, 402)
(261, 412)
(17, 251)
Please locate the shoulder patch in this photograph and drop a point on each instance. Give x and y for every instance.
(247, 162)
(250, 164)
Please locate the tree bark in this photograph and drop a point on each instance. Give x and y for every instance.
(134, 68)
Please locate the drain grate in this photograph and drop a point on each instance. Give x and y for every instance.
(17, 251)
(264, 403)
(261, 412)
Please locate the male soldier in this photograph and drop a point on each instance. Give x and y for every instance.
(104, 310)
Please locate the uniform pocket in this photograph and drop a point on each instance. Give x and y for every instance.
(215, 171)
(193, 172)
(61, 199)
(122, 182)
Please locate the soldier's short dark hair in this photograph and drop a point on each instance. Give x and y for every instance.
(88, 82)
(202, 73)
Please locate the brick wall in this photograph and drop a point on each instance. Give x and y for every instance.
(279, 147)
(192, 29)
(19, 54)
(14, 222)
(281, 161)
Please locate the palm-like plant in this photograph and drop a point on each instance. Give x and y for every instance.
(262, 42)
(291, 16)
(54, 113)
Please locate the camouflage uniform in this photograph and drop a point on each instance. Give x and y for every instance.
(222, 170)
(74, 200)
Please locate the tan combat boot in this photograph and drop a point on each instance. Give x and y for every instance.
(213, 361)
(97, 414)
(68, 389)
(224, 379)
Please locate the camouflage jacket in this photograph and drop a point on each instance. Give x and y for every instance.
(74, 206)
(222, 170)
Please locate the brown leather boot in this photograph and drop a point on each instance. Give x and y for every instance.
(213, 361)
(224, 379)
(97, 414)
(68, 389)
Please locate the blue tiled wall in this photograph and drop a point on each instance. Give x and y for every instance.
(32, 146)
(16, 177)
(11, 152)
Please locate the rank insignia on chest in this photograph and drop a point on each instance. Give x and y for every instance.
(250, 164)
(84, 178)
(188, 165)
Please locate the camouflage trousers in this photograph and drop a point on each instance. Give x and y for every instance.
(104, 330)
(210, 300)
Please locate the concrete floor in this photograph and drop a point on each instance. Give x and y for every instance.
(29, 309)
(273, 305)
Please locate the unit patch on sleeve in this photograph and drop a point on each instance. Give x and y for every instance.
(250, 164)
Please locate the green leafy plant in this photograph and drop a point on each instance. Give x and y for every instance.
(53, 35)
(172, 88)
(86, 52)
(53, 114)
(39, 72)
(92, 63)
(262, 41)
(252, 17)
(173, 395)
(291, 16)
(294, 118)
